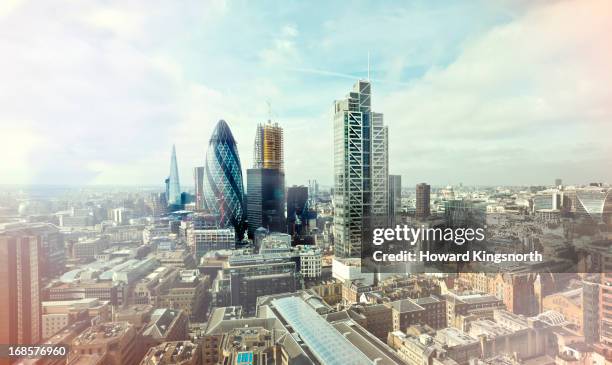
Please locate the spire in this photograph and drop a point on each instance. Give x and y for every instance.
(174, 189)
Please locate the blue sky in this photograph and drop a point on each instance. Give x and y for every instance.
(479, 92)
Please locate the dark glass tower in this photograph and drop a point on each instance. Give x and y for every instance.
(266, 200)
(223, 189)
(266, 181)
(297, 209)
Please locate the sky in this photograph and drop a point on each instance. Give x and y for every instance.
(488, 92)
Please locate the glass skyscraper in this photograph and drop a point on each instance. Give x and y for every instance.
(266, 180)
(223, 189)
(173, 188)
(360, 170)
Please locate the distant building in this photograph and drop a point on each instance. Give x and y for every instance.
(296, 328)
(297, 210)
(605, 297)
(173, 185)
(247, 277)
(423, 200)
(569, 304)
(58, 315)
(198, 179)
(173, 353)
(206, 240)
(395, 200)
(166, 325)
(112, 343)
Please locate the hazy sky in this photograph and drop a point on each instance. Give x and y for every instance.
(479, 92)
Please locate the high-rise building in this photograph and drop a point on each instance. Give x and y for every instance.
(266, 181)
(395, 199)
(268, 151)
(20, 306)
(198, 179)
(173, 185)
(313, 191)
(297, 209)
(266, 199)
(558, 182)
(605, 297)
(223, 189)
(360, 170)
(423, 192)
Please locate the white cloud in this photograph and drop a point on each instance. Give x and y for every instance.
(513, 104)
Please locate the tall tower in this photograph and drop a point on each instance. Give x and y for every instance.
(20, 311)
(360, 170)
(266, 180)
(223, 189)
(198, 179)
(173, 187)
(268, 151)
(395, 199)
(423, 192)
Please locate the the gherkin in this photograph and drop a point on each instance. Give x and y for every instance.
(223, 188)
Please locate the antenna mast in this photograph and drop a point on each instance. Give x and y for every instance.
(368, 66)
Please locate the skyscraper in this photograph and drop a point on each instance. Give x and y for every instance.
(268, 148)
(395, 199)
(422, 200)
(20, 307)
(173, 185)
(223, 189)
(266, 181)
(198, 179)
(266, 200)
(360, 170)
(297, 209)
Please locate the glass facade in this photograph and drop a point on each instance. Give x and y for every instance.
(223, 188)
(173, 187)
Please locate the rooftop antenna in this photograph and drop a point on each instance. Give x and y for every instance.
(368, 66)
(269, 111)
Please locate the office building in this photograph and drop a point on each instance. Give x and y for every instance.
(268, 150)
(590, 305)
(173, 353)
(206, 240)
(395, 200)
(20, 307)
(223, 189)
(246, 277)
(605, 298)
(296, 328)
(360, 170)
(297, 210)
(266, 200)
(198, 179)
(423, 193)
(112, 343)
(266, 181)
(173, 186)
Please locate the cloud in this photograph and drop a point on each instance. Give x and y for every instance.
(513, 104)
(518, 93)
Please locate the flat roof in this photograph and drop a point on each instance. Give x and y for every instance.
(325, 342)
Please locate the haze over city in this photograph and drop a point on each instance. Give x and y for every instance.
(97, 92)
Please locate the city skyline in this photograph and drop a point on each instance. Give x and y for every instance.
(469, 100)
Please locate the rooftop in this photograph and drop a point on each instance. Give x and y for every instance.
(406, 305)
